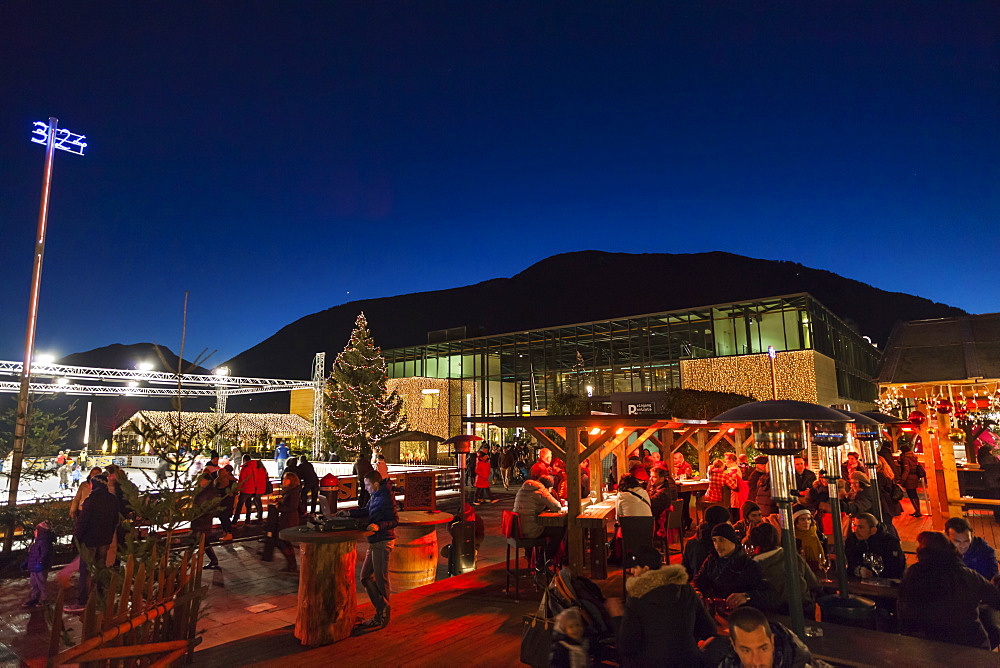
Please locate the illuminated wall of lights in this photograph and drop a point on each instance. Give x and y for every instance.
(429, 420)
(800, 374)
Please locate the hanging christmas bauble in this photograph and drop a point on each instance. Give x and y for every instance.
(917, 418)
(944, 406)
(961, 412)
(956, 435)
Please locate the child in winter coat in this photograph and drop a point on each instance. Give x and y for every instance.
(39, 562)
(570, 648)
(77, 476)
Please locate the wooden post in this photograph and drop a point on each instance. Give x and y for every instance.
(574, 532)
(699, 440)
(927, 457)
(668, 454)
(738, 441)
(948, 468)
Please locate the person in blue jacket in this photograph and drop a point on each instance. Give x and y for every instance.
(382, 517)
(976, 552)
(281, 456)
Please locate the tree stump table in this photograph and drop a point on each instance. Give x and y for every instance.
(328, 597)
(413, 562)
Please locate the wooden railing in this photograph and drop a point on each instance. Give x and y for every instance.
(151, 621)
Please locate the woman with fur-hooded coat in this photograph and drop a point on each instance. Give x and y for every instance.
(663, 621)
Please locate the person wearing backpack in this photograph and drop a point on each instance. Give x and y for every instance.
(910, 469)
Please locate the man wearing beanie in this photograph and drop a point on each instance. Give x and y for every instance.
(699, 547)
(730, 578)
(663, 619)
(751, 518)
(862, 498)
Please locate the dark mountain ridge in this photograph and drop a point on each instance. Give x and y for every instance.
(580, 287)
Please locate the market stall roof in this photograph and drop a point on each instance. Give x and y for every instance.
(962, 349)
(248, 424)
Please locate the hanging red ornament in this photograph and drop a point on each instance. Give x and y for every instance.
(961, 412)
(917, 418)
(944, 406)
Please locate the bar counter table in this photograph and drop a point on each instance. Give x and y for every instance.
(328, 598)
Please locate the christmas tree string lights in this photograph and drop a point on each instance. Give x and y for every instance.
(361, 411)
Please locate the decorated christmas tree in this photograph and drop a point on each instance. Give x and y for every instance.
(360, 410)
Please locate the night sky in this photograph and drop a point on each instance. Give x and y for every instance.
(279, 158)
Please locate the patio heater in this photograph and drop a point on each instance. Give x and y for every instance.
(866, 433)
(841, 607)
(462, 555)
(779, 429)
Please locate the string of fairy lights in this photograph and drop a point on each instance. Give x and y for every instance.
(969, 405)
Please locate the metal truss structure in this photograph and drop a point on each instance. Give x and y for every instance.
(76, 380)
(319, 385)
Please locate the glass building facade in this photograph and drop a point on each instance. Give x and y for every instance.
(521, 371)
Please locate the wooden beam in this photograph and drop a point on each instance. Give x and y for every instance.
(595, 444)
(688, 433)
(574, 531)
(546, 442)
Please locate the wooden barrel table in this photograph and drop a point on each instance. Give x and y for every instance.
(413, 562)
(328, 597)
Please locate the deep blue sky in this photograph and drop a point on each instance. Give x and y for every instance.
(279, 158)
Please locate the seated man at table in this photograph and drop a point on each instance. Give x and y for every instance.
(662, 491)
(663, 619)
(700, 547)
(730, 578)
(759, 643)
(543, 466)
(750, 512)
(382, 517)
(533, 498)
(868, 544)
(976, 554)
(940, 596)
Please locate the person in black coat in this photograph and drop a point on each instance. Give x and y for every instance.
(730, 578)
(699, 548)
(870, 539)
(939, 598)
(662, 492)
(310, 483)
(804, 478)
(663, 619)
(95, 530)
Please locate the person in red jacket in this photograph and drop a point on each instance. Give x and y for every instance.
(252, 483)
(483, 478)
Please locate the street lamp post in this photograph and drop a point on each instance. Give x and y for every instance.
(64, 140)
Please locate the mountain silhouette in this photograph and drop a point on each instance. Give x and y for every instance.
(580, 287)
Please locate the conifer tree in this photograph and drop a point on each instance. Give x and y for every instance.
(360, 409)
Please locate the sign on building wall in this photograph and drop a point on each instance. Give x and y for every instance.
(642, 408)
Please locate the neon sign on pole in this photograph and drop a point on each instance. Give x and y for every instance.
(53, 138)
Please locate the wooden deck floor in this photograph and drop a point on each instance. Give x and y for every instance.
(465, 620)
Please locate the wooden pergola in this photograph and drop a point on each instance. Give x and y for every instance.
(594, 437)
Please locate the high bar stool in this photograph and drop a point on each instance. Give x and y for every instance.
(511, 528)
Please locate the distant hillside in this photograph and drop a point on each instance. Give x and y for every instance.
(580, 287)
(111, 411)
(119, 356)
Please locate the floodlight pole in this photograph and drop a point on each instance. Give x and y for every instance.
(21, 426)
